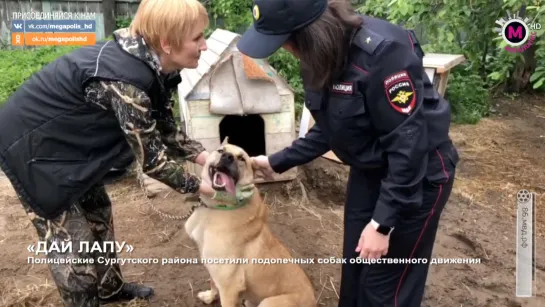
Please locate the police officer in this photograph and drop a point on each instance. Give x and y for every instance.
(376, 109)
(95, 109)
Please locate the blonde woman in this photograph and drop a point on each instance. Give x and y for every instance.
(95, 109)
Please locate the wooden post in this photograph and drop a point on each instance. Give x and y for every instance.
(109, 8)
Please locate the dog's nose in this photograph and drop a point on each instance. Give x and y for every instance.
(227, 157)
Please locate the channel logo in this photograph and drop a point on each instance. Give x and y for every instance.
(518, 33)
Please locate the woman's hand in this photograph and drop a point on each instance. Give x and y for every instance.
(261, 164)
(201, 158)
(206, 189)
(372, 244)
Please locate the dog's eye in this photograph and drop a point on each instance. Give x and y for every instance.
(240, 158)
(220, 150)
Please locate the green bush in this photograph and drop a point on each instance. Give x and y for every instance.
(467, 27)
(287, 67)
(468, 97)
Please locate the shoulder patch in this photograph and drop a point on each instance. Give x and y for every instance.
(368, 40)
(400, 92)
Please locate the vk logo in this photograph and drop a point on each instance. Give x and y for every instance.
(17, 26)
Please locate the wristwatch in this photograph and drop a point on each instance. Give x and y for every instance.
(382, 229)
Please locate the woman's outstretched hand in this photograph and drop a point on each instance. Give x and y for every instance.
(262, 167)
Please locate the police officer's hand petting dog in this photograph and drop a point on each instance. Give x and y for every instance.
(96, 109)
(375, 108)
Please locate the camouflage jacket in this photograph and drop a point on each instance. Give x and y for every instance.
(157, 142)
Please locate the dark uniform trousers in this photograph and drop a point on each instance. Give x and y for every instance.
(391, 284)
(87, 220)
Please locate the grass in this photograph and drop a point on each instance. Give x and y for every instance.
(18, 65)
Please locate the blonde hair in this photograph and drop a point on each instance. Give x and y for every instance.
(172, 20)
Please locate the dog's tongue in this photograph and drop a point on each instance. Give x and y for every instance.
(229, 183)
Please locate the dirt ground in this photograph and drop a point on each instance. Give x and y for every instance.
(499, 156)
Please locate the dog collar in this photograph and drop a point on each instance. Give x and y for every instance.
(230, 202)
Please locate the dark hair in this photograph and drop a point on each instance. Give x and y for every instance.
(322, 45)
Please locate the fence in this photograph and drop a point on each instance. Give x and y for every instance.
(105, 11)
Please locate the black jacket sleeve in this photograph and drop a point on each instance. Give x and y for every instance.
(301, 151)
(395, 97)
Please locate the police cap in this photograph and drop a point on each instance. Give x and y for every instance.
(274, 21)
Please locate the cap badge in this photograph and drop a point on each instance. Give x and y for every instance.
(255, 12)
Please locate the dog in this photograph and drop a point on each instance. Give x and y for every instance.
(243, 233)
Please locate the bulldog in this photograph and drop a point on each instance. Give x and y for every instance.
(236, 243)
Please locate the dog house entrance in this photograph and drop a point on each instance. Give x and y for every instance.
(247, 132)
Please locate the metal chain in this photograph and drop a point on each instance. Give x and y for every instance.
(173, 217)
(162, 214)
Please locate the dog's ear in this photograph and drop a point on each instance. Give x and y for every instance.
(225, 141)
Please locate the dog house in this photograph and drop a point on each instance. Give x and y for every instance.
(230, 94)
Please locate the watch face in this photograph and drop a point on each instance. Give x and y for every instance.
(383, 230)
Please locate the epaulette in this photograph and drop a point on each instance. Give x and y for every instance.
(368, 40)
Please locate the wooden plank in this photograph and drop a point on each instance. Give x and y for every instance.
(205, 127)
(210, 57)
(109, 21)
(278, 122)
(216, 46)
(57, 6)
(226, 37)
(100, 32)
(210, 144)
(202, 67)
(287, 103)
(275, 142)
(442, 62)
(193, 76)
(199, 108)
(202, 90)
(442, 86)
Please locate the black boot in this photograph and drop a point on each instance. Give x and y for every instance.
(130, 291)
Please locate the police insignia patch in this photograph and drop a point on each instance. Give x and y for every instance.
(400, 92)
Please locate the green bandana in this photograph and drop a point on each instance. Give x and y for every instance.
(231, 202)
